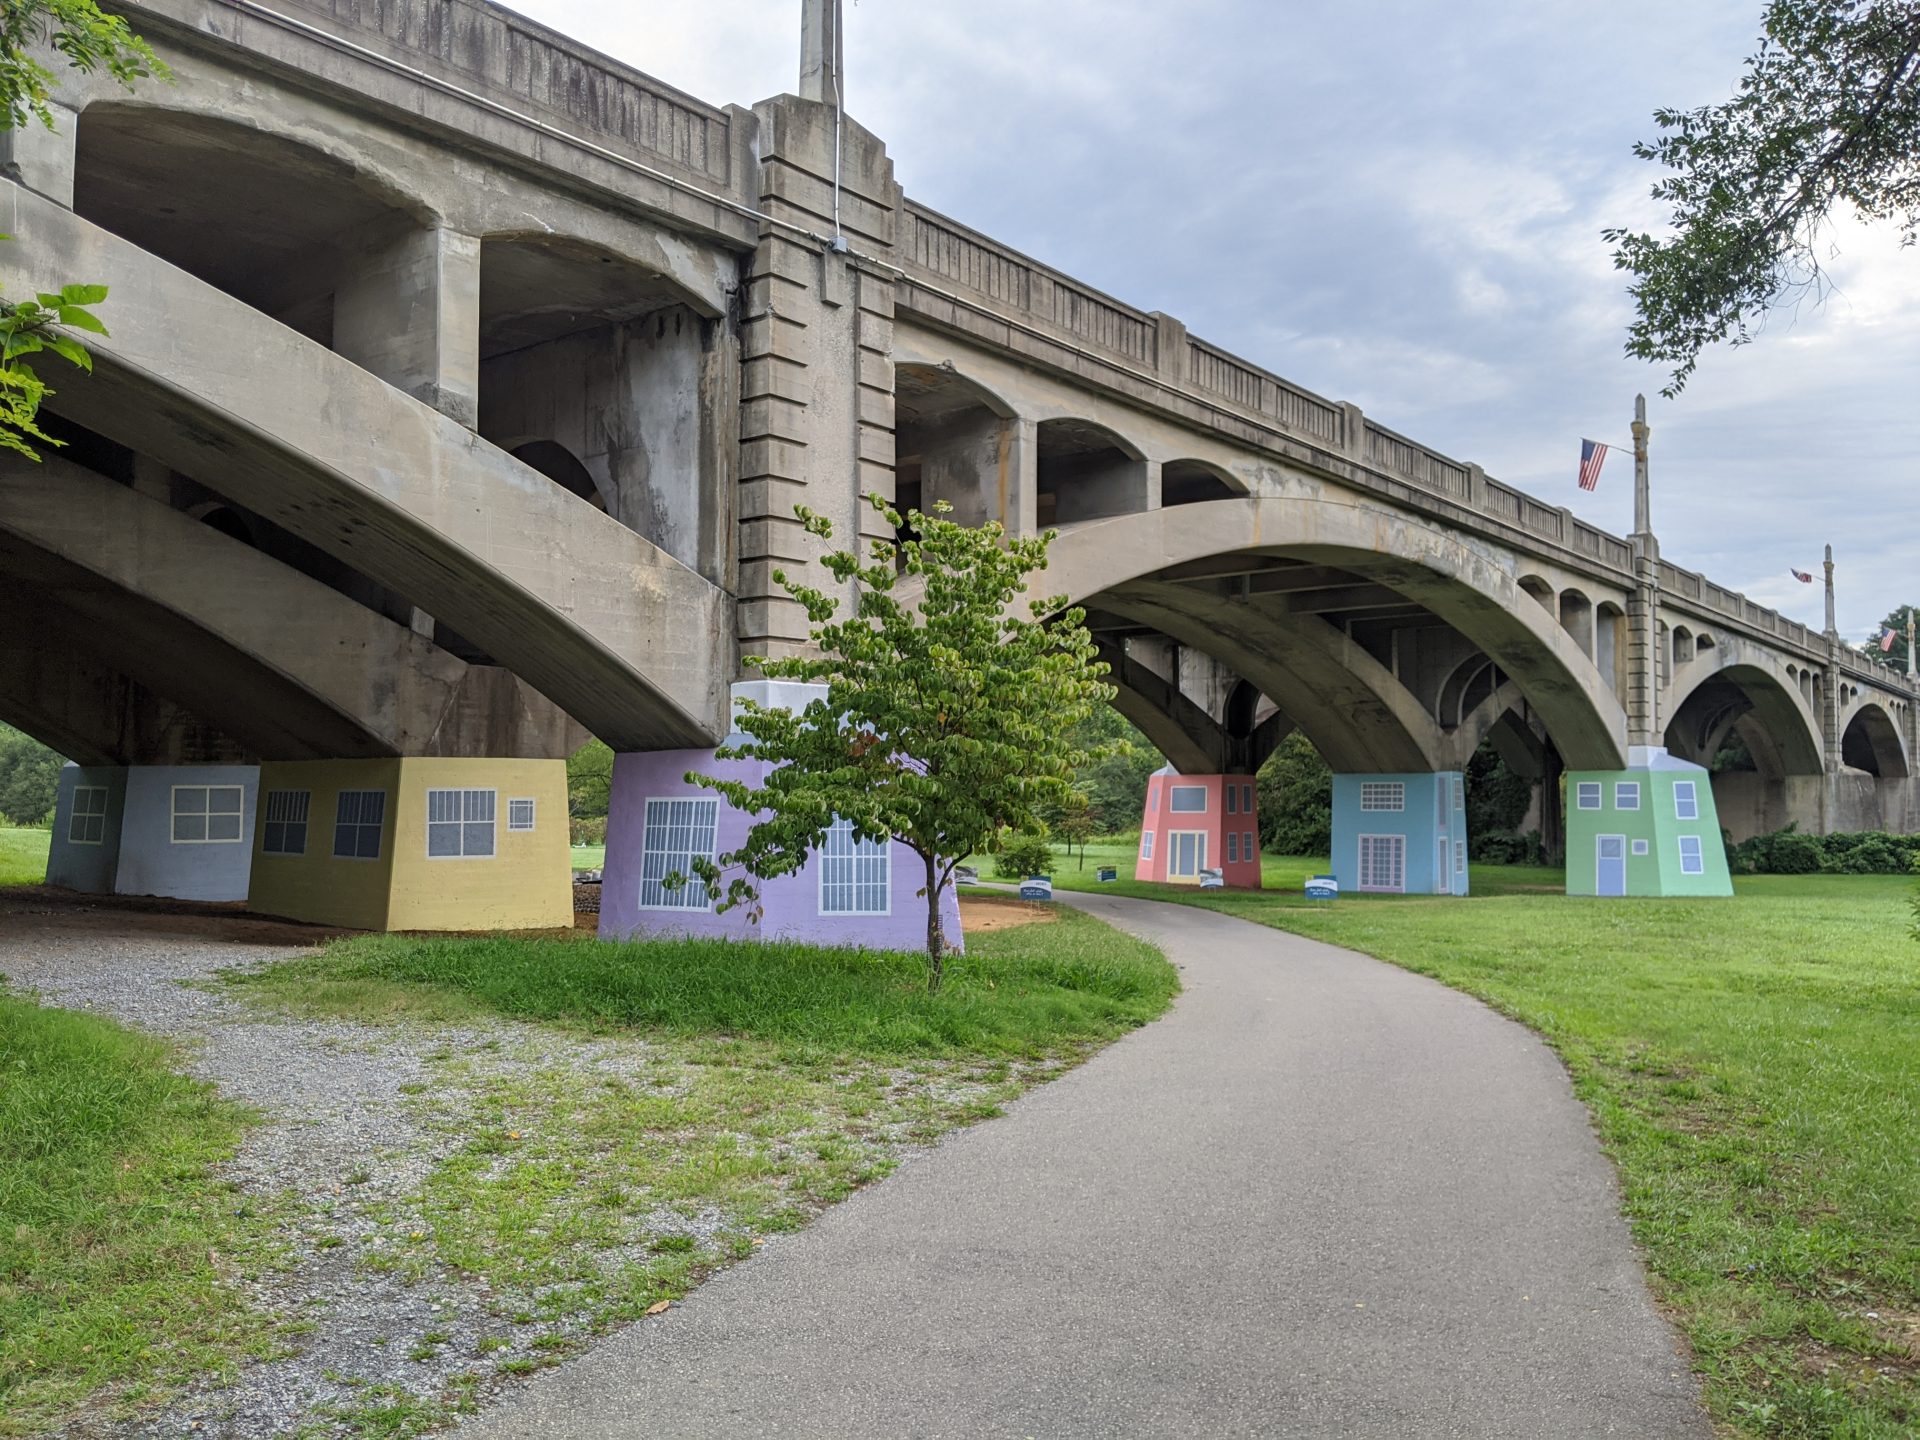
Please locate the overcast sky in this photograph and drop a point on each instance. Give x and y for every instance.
(1397, 203)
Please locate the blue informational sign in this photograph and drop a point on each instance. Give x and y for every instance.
(1322, 887)
(1212, 880)
(1037, 887)
(1107, 873)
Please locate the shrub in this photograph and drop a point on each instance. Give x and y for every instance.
(589, 830)
(1788, 852)
(1022, 855)
(1506, 849)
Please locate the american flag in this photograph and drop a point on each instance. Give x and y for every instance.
(1886, 638)
(1802, 576)
(1592, 456)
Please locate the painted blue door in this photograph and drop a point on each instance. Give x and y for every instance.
(1611, 877)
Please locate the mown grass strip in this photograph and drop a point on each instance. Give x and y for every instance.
(23, 855)
(117, 1247)
(1016, 993)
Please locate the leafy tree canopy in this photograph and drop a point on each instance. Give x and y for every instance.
(89, 41)
(1826, 118)
(29, 778)
(947, 720)
(590, 780)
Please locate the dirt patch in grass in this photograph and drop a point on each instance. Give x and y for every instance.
(983, 914)
(52, 909)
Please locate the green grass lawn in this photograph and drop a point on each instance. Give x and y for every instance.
(1753, 1066)
(115, 1245)
(589, 857)
(23, 855)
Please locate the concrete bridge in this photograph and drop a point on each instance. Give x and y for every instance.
(463, 381)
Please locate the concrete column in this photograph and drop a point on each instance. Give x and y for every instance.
(816, 399)
(1169, 349)
(409, 311)
(41, 159)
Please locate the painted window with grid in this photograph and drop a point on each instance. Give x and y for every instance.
(856, 874)
(1459, 857)
(1686, 800)
(87, 825)
(677, 832)
(520, 814)
(1626, 795)
(206, 814)
(1693, 860)
(459, 824)
(1383, 863)
(1233, 847)
(358, 816)
(1233, 799)
(1586, 795)
(283, 822)
(1248, 850)
(1383, 795)
(1146, 844)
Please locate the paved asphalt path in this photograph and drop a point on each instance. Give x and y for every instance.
(1323, 1196)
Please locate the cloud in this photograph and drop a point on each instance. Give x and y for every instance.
(1395, 203)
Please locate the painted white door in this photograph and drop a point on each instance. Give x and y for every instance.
(1610, 873)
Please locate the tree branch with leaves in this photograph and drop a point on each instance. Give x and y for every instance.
(88, 40)
(949, 717)
(1825, 121)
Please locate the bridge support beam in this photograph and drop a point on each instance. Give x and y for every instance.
(42, 159)
(1650, 829)
(1192, 824)
(1400, 834)
(182, 832)
(409, 312)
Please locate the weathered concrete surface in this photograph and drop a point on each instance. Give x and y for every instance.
(296, 670)
(1322, 1197)
(623, 637)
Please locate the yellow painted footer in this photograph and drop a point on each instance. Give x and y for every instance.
(414, 844)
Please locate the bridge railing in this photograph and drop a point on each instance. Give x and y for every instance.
(513, 61)
(1014, 286)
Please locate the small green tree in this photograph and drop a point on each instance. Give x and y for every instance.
(947, 718)
(29, 778)
(90, 41)
(1073, 821)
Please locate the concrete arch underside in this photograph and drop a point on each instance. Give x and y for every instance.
(1352, 707)
(1743, 686)
(278, 663)
(607, 625)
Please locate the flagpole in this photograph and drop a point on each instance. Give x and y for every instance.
(1832, 629)
(1643, 720)
(1910, 669)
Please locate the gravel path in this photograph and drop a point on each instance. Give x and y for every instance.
(355, 1122)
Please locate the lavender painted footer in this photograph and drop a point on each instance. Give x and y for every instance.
(792, 904)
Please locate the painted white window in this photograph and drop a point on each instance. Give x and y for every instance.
(1233, 799)
(1640, 847)
(1146, 844)
(520, 814)
(1188, 800)
(1686, 800)
(677, 833)
(459, 824)
(1459, 857)
(1692, 860)
(357, 818)
(1626, 795)
(1383, 795)
(206, 814)
(283, 822)
(1383, 863)
(856, 874)
(1458, 787)
(1233, 846)
(1186, 853)
(1587, 794)
(87, 825)
(1248, 850)
(1246, 798)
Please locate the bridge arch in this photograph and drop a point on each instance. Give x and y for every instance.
(1113, 563)
(1872, 742)
(1085, 471)
(1188, 482)
(1754, 692)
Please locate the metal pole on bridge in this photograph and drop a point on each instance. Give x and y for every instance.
(1643, 719)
